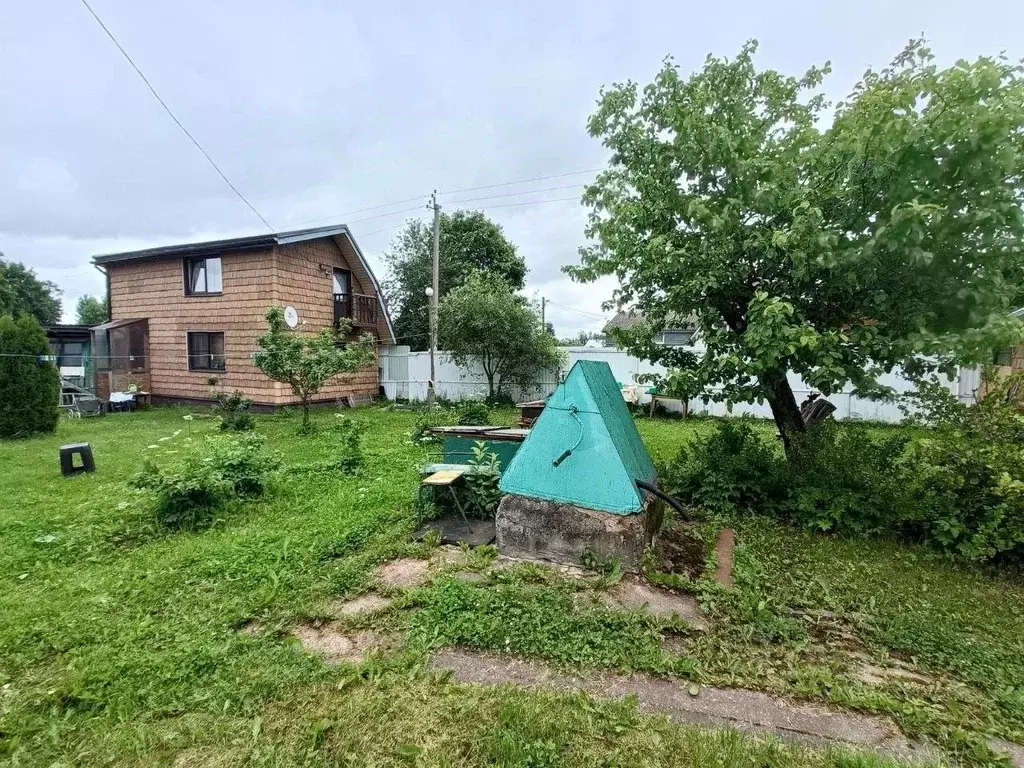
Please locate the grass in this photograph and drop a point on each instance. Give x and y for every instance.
(119, 643)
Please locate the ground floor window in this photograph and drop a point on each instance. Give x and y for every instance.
(205, 351)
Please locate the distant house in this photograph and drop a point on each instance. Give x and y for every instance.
(676, 333)
(182, 314)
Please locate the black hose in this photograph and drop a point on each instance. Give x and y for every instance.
(670, 500)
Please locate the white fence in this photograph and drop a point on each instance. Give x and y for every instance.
(405, 375)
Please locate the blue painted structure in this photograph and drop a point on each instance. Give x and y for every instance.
(584, 449)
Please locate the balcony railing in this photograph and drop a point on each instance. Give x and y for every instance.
(360, 310)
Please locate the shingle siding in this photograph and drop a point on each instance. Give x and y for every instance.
(252, 281)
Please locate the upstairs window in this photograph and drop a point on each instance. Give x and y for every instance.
(202, 276)
(205, 351)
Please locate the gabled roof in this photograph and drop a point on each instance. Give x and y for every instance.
(249, 243)
(633, 318)
(587, 417)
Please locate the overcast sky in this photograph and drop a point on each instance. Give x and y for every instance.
(316, 109)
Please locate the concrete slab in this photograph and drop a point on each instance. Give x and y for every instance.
(334, 645)
(635, 595)
(747, 711)
(562, 533)
(364, 605)
(1015, 752)
(407, 572)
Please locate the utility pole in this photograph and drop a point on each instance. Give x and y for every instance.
(433, 294)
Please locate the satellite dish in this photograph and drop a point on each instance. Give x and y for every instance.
(291, 317)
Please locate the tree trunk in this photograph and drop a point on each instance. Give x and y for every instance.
(305, 412)
(785, 410)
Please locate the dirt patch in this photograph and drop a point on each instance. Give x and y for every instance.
(448, 555)
(335, 646)
(681, 550)
(471, 577)
(674, 643)
(635, 595)
(747, 711)
(364, 605)
(407, 572)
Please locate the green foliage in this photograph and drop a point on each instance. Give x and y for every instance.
(482, 480)
(845, 478)
(23, 293)
(483, 321)
(469, 242)
(534, 619)
(474, 413)
(92, 311)
(29, 383)
(837, 250)
(968, 474)
(732, 466)
(306, 363)
(350, 447)
(189, 490)
(235, 411)
(431, 416)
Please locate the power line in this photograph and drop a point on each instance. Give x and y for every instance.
(362, 210)
(529, 202)
(578, 311)
(521, 181)
(173, 116)
(513, 194)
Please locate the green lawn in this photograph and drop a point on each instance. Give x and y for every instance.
(120, 644)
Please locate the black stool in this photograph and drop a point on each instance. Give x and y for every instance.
(67, 459)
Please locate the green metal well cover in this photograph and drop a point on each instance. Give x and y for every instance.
(587, 417)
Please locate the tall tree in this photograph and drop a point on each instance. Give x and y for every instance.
(307, 362)
(469, 241)
(891, 237)
(29, 382)
(22, 292)
(483, 321)
(92, 311)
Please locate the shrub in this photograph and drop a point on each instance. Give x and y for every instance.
(432, 416)
(968, 475)
(29, 383)
(845, 478)
(482, 480)
(474, 413)
(234, 411)
(189, 491)
(351, 449)
(736, 465)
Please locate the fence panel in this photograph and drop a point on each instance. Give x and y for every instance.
(405, 375)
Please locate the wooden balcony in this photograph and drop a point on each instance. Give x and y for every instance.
(361, 311)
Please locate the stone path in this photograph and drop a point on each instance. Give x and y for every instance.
(633, 594)
(336, 646)
(407, 572)
(747, 711)
(364, 605)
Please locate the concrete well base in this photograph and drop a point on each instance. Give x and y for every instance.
(561, 533)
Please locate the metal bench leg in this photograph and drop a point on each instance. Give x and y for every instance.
(458, 506)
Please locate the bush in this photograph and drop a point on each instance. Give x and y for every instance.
(959, 486)
(474, 413)
(234, 411)
(736, 465)
(846, 478)
(29, 384)
(351, 449)
(189, 491)
(968, 475)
